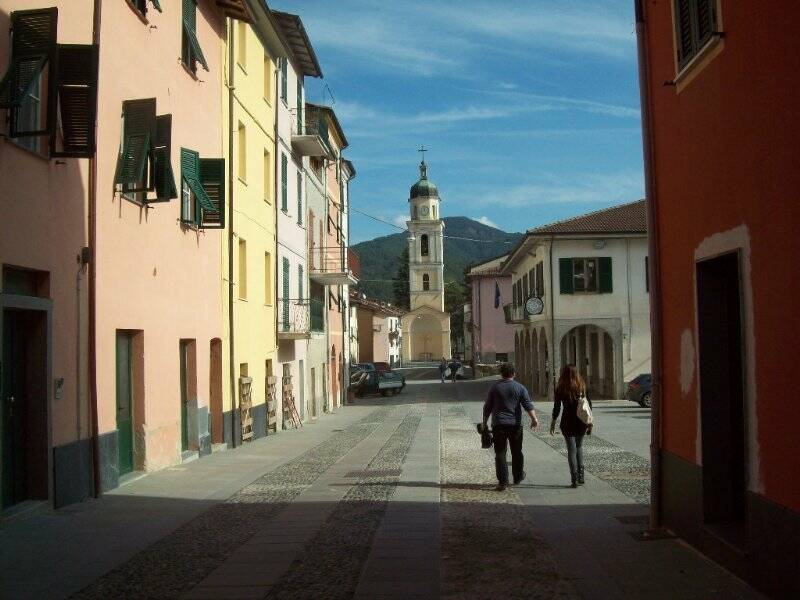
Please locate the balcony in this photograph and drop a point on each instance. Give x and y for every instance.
(514, 313)
(310, 135)
(294, 319)
(328, 266)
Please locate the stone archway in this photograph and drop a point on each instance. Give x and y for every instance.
(592, 350)
(425, 336)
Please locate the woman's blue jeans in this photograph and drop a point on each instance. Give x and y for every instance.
(574, 454)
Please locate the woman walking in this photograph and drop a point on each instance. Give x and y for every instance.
(569, 391)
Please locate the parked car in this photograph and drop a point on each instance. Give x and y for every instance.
(385, 383)
(382, 366)
(640, 390)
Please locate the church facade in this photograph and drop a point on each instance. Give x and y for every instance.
(426, 327)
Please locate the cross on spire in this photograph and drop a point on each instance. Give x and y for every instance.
(423, 168)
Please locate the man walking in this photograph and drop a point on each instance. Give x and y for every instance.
(505, 402)
(442, 368)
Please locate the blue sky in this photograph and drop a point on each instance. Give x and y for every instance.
(530, 109)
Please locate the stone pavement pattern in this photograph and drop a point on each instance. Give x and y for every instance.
(389, 498)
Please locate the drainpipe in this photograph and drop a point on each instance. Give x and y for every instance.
(655, 283)
(231, 334)
(275, 253)
(78, 336)
(92, 346)
(551, 388)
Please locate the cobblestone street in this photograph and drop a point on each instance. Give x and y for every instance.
(388, 498)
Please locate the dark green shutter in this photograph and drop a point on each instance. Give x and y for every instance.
(212, 176)
(299, 106)
(606, 276)
(190, 173)
(300, 285)
(683, 31)
(284, 79)
(33, 43)
(285, 183)
(163, 175)
(190, 31)
(706, 21)
(138, 133)
(285, 299)
(156, 5)
(76, 100)
(540, 279)
(299, 198)
(566, 276)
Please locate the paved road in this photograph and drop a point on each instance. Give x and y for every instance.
(388, 498)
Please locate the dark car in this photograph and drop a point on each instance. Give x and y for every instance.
(640, 390)
(385, 383)
(382, 367)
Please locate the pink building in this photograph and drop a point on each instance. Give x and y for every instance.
(492, 339)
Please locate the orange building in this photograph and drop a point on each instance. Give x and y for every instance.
(719, 103)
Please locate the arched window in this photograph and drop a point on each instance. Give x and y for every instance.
(426, 282)
(423, 242)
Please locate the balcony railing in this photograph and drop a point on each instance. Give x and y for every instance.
(516, 313)
(328, 266)
(310, 134)
(294, 318)
(317, 315)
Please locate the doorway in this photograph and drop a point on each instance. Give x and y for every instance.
(125, 401)
(23, 418)
(313, 393)
(302, 390)
(722, 411)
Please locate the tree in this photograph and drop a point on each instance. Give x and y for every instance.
(400, 290)
(454, 298)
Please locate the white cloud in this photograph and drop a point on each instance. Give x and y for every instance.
(487, 221)
(400, 220)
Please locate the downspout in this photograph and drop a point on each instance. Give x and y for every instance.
(628, 285)
(655, 282)
(92, 345)
(277, 261)
(551, 388)
(231, 334)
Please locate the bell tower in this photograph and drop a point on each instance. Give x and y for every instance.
(425, 243)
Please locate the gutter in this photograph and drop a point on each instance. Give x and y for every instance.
(92, 342)
(231, 334)
(648, 151)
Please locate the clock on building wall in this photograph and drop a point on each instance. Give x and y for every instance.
(423, 211)
(534, 305)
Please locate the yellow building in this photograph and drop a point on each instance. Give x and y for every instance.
(249, 345)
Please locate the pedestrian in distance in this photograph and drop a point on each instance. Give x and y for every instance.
(455, 365)
(505, 402)
(570, 393)
(442, 368)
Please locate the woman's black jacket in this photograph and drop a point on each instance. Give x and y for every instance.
(570, 423)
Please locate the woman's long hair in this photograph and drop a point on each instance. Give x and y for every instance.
(570, 383)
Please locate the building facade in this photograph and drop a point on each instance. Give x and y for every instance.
(721, 175)
(487, 336)
(580, 296)
(427, 325)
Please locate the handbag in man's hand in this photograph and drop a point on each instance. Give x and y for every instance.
(486, 436)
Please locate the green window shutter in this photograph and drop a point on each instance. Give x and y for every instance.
(565, 276)
(300, 282)
(284, 79)
(156, 5)
(190, 173)
(33, 43)
(606, 285)
(163, 175)
(706, 21)
(138, 133)
(540, 279)
(299, 198)
(76, 100)
(190, 32)
(299, 106)
(285, 299)
(284, 183)
(212, 176)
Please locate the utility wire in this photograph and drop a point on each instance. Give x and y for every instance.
(452, 237)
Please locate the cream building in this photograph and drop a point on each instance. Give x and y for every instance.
(426, 325)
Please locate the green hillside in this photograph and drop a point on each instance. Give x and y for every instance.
(379, 257)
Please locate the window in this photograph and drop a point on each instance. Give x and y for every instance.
(267, 278)
(540, 279)
(202, 190)
(49, 89)
(191, 53)
(242, 152)
(284, 79)
(267, 180)
(423, 242)
(695, 25)
(426, 282)
(299, 198)
(241, 44)
(300, 285)
(242, 269)
(284, 183)
(585, 275)
(525, 288)
(267, 78)
(299, 106)
(285, 283)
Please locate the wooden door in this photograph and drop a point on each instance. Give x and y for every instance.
(124, 402)
(13, 408)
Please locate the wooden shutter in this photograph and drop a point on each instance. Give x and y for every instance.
(33, 43)
(190, 173)
(76, 100)
(299, 198)
(540, 279)
(212, 176)
(565, 276)
(706, 21)
(606, 280)
(157, 5)
(285, 299)
(138, 133)
(299, 106)
(300, 282)
(163, 175)
(683, 31)
(190, 31)
(284, 183)
(284, 78)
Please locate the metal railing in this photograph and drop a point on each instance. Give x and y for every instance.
(294, 315)
(315, 123)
